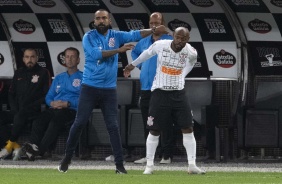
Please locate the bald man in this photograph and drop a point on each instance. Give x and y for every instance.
(176, 59)
(147, 74)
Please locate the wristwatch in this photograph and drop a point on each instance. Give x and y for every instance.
(69, 104)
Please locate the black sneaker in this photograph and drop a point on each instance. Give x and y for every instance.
(64, 165)
(120, 169)
(31, 150)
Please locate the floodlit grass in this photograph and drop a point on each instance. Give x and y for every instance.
(52, 176)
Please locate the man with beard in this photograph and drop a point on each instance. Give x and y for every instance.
(101, 49)
(176, 59)
(27, 92)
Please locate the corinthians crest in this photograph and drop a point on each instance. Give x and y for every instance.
(34, 79)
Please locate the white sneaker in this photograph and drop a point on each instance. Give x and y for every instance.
(17, 153)
(141, 161)
(4, 153)
(110, 158)
(167, 161)
(193, 169)
(149, 170)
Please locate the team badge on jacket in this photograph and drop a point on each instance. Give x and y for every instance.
(34, 79)
(76, 82)
(111, 42)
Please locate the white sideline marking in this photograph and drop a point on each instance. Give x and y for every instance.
(94, 165)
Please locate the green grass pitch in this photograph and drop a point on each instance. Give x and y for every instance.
(52, 176)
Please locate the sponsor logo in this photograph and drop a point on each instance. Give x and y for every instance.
(61, 59)
(41, 57)
(171, 87)
(172, 25)
(40, 53)
(1, 59)
(165, 2)
(259, 26)
(24, 27)
(134, 24)
(198, 64)
(246, 2)
(224, 59)
(58, 26)
(215, 26)
(171, 71)
(11, 3)
(44, 3)
(122, 3)
(202, 3)
(262, 51)
(76, 82)
(276, 3)
(269, 54)
(86, 2)
(270, 62)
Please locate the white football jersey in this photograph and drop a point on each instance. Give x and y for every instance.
(171, 67)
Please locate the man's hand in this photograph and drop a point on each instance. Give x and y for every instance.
(125, 47)
(59, 104)
(160, 30)
(127, 70)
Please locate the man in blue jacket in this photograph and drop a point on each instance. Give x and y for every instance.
(101, 48)
(147, 74)
(62, 98)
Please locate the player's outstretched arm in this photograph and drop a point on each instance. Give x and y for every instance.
(127, 70)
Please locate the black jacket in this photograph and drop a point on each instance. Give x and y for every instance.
(29, 88)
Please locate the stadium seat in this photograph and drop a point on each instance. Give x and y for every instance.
(260, 125)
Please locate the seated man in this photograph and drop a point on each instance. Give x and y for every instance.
(5, 129)
(27, 91)
(62, 98)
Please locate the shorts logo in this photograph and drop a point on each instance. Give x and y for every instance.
(150, 121)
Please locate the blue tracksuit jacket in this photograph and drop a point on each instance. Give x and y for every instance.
(148, 68)
(102, 72)
(65, 87)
